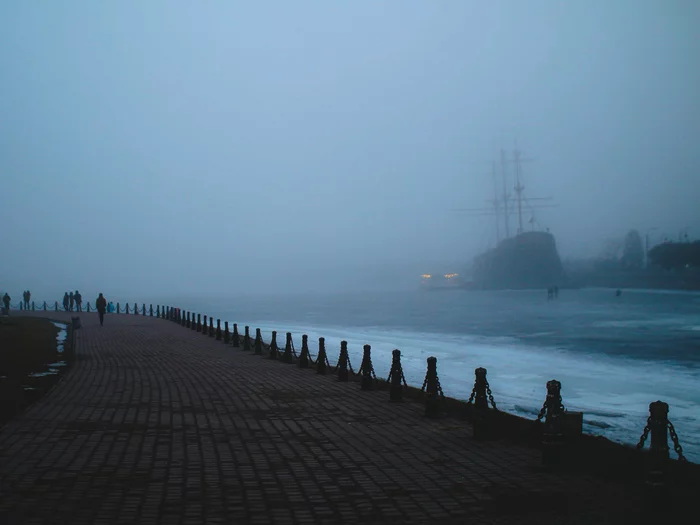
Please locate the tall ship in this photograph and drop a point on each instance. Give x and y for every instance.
(527, 259)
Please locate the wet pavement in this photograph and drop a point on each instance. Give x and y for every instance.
(156, 423)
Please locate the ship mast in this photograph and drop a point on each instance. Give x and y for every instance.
(506, 197)
(496, 203)
(518, 189)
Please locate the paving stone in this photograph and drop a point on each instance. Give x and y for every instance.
(156, 424)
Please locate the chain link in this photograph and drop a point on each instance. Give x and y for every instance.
(645, 434)
(488, 391)
(676, 445)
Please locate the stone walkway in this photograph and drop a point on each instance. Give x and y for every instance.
(159, 424)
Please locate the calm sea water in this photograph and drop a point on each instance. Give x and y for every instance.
(613, 355)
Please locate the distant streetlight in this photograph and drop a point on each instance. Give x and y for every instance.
(646, 252)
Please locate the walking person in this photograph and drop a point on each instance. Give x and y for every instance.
(29, 298)
(71, 298)
(101, 306)
(78, 301)
(66, 301)
(6, 300)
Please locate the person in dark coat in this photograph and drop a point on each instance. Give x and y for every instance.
(101, 306)
(71, 298)
(78, 301)
(66, 301)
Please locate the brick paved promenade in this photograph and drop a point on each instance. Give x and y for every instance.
(159, 424)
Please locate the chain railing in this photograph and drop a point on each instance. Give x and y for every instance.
(552, 411)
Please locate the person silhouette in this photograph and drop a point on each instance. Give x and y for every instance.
(6, 300)
(101, 306)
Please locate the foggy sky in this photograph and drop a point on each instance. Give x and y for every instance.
(183, 146)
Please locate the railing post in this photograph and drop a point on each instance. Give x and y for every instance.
(199, 323)
(432, 389)
(367, 369)
(126, 311)
(118, 308)
(218, 329)
(143, 311)
(205, 328)
(273, 346)
(552, 436)
(343, 362)
(157, 310)
(183, 319)
(188, 321)
(227, 335)
(234, 337)
(481, 404)
(136, 309)
(258, 341)
(56, 305)
(246, 338)
(151, 310)
(396, 378)
(321, 358)
(657, 495)
(211, 326)
(288, 356)
(33, 307)
(45, 306)
(304, 356)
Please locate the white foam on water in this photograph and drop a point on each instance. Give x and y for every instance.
(613, 393)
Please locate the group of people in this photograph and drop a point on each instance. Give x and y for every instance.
(72, 300)
(552, 292)
(27, 297)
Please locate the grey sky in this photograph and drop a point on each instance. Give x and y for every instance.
(177, 145)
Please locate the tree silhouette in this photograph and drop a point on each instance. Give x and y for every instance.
(675, 255)
(632, 251)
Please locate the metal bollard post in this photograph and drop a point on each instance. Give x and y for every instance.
(199, 323)
(183, 319)
(288, 356)
(188, 321)
(136, 309)
(273, 346)
(218, 329)
(157, 310)
(304, 356)
(343, 362)
(205, 330)
(33, 307)
(432, 389)
(227, 334)
(258, 341)
(321, 358)
(552, 436)
(45, 306)
(118, 308)
(56, 305)
(657, 463)
(481, 404)
(246, 338)
(143, 311)
(234, 337)
(126, 311)
(367, 369)
(396, 378)
(211, 326)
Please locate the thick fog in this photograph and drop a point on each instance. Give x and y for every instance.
(171, 146)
